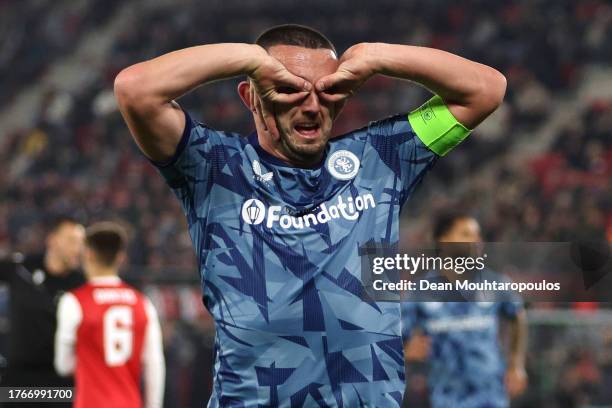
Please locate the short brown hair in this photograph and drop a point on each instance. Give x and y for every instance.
(294, 34)
(107, 240)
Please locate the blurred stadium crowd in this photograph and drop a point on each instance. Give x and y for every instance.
(538, 170)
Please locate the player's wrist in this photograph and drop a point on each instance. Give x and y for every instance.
(376, 55)
(257, 56)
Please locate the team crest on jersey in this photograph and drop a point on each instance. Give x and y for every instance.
(343, 165)
(259, 174)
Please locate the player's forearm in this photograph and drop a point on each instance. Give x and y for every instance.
(171, 75)
(470, 89)
(518, 341)
(64, 358)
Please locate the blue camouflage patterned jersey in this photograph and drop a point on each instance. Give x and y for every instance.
(277, 248)
(466, 365)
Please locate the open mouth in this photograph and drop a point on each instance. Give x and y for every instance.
(307, 129)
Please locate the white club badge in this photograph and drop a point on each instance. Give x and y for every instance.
(343, 165)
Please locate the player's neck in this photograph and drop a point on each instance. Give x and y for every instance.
(100, 272)
(104, 279)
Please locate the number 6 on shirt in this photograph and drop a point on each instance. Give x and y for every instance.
(117, 335)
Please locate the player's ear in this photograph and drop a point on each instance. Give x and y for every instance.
(244, 90)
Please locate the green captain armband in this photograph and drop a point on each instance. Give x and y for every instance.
(436, 126)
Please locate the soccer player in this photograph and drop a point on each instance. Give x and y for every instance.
(35, 283)
(460, 341)
(277, 218)
(108, 332)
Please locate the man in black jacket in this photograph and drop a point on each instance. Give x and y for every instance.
(35, 283)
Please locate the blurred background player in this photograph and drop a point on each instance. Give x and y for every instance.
(108, 332)
(460, 340)
(35, 282)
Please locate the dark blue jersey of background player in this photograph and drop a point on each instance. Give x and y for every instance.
(460, 340)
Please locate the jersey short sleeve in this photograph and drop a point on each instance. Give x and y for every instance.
(190, 172)
(509, 308)
(411, 144)
(402, 151)
(510, 303)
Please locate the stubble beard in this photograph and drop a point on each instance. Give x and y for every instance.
(304, 153)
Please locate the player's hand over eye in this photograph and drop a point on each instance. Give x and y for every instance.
(356, 67)
(275, 84)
